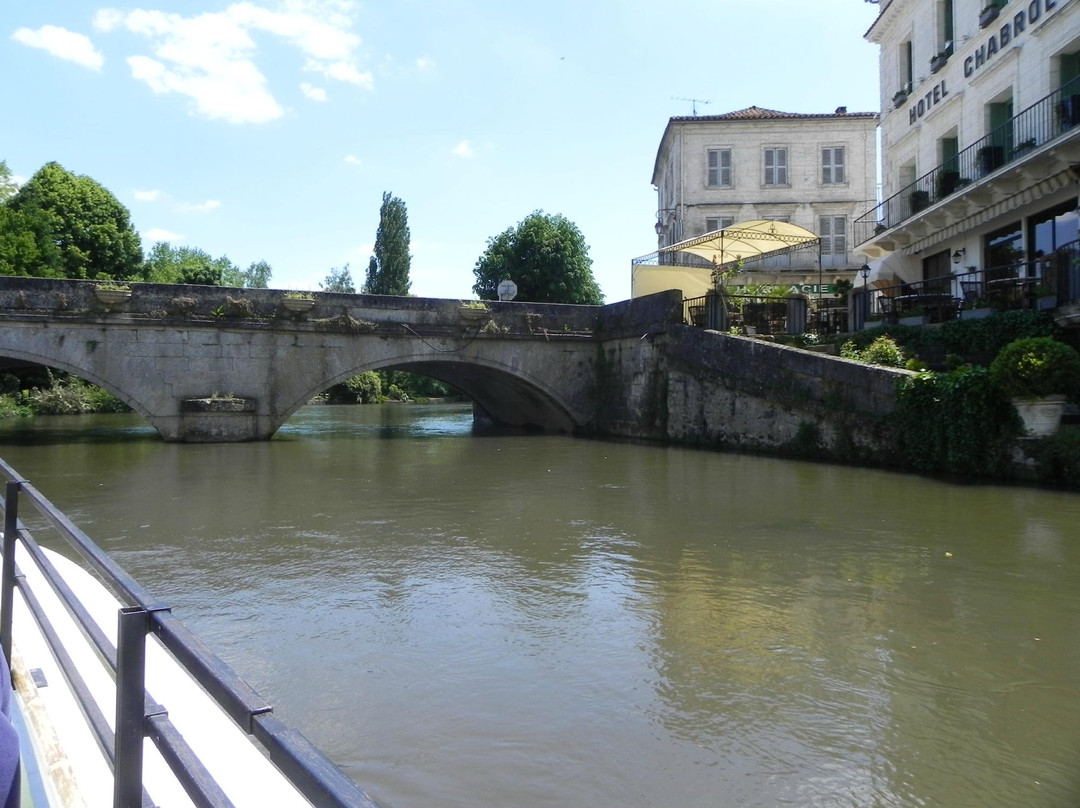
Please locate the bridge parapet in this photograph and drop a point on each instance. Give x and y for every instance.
(63, 299)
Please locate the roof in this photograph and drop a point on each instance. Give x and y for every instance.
(762, 114)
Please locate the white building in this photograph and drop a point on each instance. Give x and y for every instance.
(813, 170)
(981, 145)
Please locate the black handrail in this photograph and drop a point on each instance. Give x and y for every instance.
(313, 775)
(1046, 120)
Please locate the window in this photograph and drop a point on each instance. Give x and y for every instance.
(833, 232)
(945, 26)
(719, 168)
(776, 167)
(906, 75)
(714, 223)
(832, 166)
(1003, 249)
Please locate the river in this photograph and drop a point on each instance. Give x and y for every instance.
(515, 620)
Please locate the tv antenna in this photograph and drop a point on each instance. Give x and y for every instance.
(693, 103)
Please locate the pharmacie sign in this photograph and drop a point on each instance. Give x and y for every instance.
(1008, 33)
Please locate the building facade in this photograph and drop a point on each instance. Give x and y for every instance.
(980, 137)
(817, 171)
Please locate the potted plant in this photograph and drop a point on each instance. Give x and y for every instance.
(1039, 374)
(938, 60)
(1045, 298)
(989, 14)
(899, 99)
(112, 293)
(474, 311)
(1023, 147)
(980, 308)
(919, 200)
(298, 301)
(915, 316)
(990, 158)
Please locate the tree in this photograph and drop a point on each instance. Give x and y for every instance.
(546, 256)
(339, 280)
(257, 275)
(8, 186)
(168, 264)
(388, 270)
(91, 229)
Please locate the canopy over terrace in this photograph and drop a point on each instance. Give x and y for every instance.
(689, 265)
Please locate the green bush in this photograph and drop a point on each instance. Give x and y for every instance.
(11, 406)
(1057, 458)
(882, 351)
(1036, 367)
(958, 423)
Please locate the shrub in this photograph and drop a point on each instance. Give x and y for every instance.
(958, 422)
(1036, 367)
(882, 351)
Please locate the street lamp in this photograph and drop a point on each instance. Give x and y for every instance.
(659, 226)
(865, 273)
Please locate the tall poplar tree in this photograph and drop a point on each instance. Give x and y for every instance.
(388, 270)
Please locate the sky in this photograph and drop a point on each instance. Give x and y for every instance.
(266, 130)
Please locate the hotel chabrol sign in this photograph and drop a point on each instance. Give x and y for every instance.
(1011, 31)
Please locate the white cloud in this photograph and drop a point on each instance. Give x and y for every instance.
(199, 207)
(463, 149)
(156, 234)
(211, 58)
(313, 92)
(423, 64)
(63, 44)
(352, 160)
(148, 196)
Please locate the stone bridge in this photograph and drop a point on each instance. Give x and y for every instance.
(215, 364)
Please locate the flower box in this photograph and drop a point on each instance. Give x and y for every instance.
(988, 15)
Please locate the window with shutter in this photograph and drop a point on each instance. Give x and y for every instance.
(776, 167)
(719, 168)
(833, 232)
(832, 166)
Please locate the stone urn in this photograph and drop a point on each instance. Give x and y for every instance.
(473, 314)
(112, 297)
(1041, 416)
(298, 303)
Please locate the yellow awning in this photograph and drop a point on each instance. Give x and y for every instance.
(744, 241)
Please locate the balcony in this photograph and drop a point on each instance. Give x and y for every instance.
(1052, 119)
(1042, 284)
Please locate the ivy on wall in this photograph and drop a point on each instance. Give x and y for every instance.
(955, 423)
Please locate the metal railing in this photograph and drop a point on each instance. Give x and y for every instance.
(313, 775)
(747, 314)
(1041, 284)
(1044, 121)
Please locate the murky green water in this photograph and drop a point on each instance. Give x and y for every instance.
(543, 621)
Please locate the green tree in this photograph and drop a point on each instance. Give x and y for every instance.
(339, 280)
(168, 264)
(91, 229)
(257, 275)
(388, 270)
(26, 244)
(546, 256)
(8, 187)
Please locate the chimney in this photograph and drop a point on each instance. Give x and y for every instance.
(841, 110)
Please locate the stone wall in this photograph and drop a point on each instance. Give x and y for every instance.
(706, 388)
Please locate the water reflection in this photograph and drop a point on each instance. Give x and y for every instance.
(547, 621)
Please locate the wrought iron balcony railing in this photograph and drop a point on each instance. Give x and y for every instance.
(1047, 120)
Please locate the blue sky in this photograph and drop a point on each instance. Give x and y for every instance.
(269, 130)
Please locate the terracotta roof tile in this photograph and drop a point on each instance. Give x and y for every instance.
(761, 114)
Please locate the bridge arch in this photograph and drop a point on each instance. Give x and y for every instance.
(509, 395)
(85, 372)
